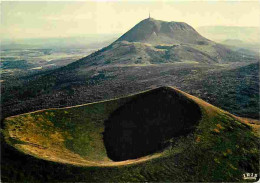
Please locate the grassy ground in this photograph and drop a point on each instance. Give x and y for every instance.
(221, 148)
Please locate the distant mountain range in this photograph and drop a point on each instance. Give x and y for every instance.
(239, 38)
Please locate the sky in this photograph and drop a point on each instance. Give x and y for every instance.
(34, 19)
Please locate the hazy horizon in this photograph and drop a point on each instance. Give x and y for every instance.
(21, 20)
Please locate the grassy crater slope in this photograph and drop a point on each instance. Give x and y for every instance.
(157, 135)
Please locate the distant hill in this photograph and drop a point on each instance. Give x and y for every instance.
(222, 33)
(154, 42)
(239, 45)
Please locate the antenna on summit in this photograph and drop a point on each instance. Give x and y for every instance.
(149, 15)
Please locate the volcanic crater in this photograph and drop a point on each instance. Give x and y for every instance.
(146, 124)
(109, 133)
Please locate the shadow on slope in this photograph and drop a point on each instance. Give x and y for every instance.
(147, 123)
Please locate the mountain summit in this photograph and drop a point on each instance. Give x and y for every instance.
(157, 42)
(160, 32)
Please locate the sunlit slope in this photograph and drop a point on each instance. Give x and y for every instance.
(156, 32)
(193, 141)
(68, 135)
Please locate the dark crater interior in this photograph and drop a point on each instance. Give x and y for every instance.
(147, 123)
